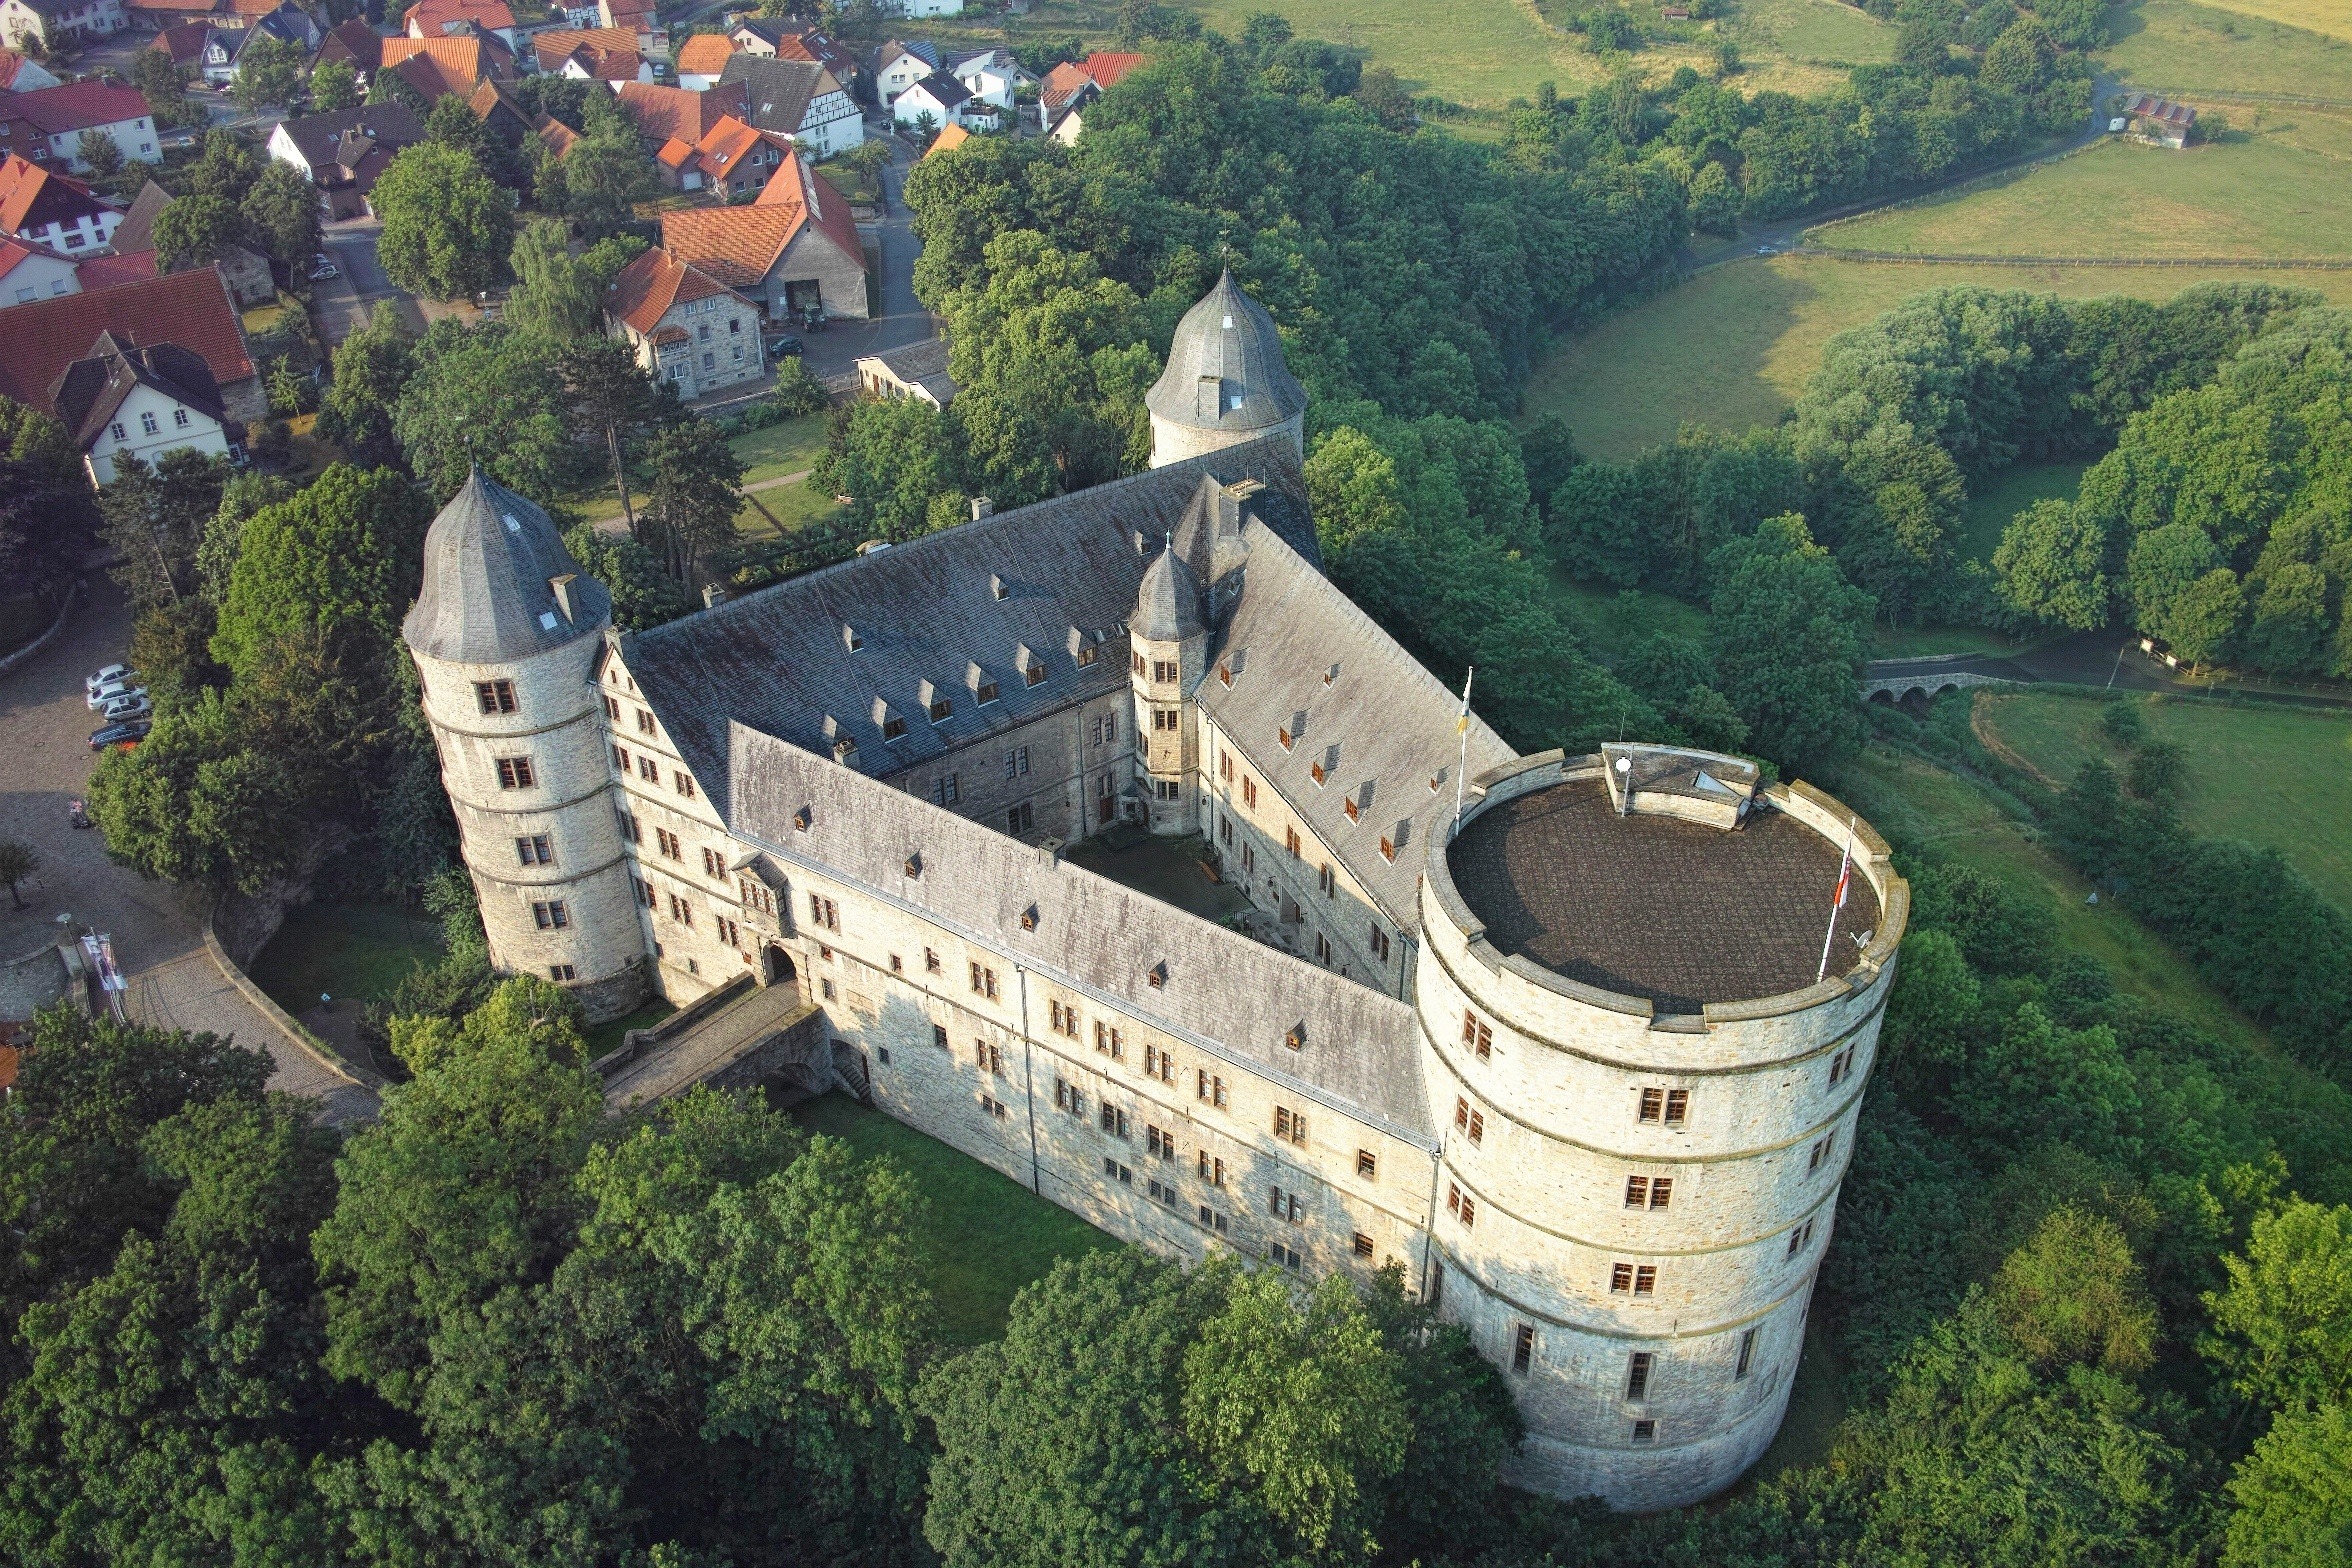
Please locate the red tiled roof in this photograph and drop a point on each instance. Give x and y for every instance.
(654, 282)
(182, 41)
(174, 7)
(736, 245)
(1061, 84)
(430, 18)
(674, 154)
(77, 106)
(723, 146)
(25, 184)
(192, 309)
(606, 53)
(1107, 69)
(796, 187)
(555, 134)
(10, 63)
(354, 41)
(451, 64)
(705, 54)
(949, 140)
(104, 272)
(662, 113)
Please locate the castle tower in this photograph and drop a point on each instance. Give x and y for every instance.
(1170, 639)
(1646, 1099)
(1225, 381)
(505, 632)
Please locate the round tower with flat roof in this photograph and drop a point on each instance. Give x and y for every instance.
(505, 632)
(1646, 1066)
(1225, 381)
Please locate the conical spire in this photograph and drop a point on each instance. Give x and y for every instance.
(499, 584)
(1225, 368)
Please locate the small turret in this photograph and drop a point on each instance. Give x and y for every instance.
(1170, 636)
(1225, 381)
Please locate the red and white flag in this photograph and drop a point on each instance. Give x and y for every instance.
(1845, 880)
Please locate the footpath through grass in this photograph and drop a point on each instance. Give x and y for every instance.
(1735, 345)
(987, 1236)
(359, 951)
(2272, 775)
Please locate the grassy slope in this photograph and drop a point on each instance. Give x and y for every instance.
(1734, 346)
(778, 450)
(2238, 46)
(2275, 776)
(2284, 190)
(987, 1236)
(356, 950)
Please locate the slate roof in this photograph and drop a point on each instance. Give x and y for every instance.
(319, 137)
(1168, 604)
(1305, 659)
(489, 559)
(90, 389)
(777, 93)
(1232, 996)
(941, 89)
(1225, 369)
(355, 41)
(191, 308)
(926, 612)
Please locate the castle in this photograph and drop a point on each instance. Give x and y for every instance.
(1550, 1050)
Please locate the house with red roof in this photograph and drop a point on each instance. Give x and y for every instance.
(596, 54)
(666, 114)
(53, 210)
(1069, 87)
(701, 58)
(795, 249)
(30, 272)
(59, 115)
(19, 74)
(449, 63)
(155, 15)
(356, 42)
(443, 18)
(687, 327)
(731, 158)
(138, 356)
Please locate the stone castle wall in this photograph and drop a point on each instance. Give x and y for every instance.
(1173, 442)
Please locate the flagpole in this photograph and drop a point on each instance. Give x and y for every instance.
(1837, 902)
(1462, 764)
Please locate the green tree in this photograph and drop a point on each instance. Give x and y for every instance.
(2294, 1494)
(98, 151)
(452, 123)
(48, 519)
(446, 228)
(2282, 1326)
(226, 168)
(269, 71)
(371, 368)
(281, 211)
(154, 521)
(644, 593)
(605, 175)
(159, 82)
(1786, 639)
(491, 395)
(555, 293)
(696, 490)
(2203, 622)
(890, 457)
(1385, 99)
(334, 86)
(334, 561)
(197, 229)
(2074, 1294)
(2053, 569)
(608, 391)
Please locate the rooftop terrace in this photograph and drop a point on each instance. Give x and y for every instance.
(1653, 906)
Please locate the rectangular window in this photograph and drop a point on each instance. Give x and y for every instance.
(1839, 1065)
(1285, 1206)
(939, 1036)
(1637, 1375)
(1290, 841)
(562, 972)
(945, 790)
(1645, 1279)
(1820, 1153)
(1158, 1064)
(1162, 1145)
(514, 773)
(1747, 1354)
(1249, 858)
(612, 709)
(1367, 1165)
(1212, 1089)
(685, 782)
(1164, 719)
(1363, 1245)
(985, 693)
(1165, 670)
(1645, 1431)
(1800, 1238)
(621, 758)
(667, 842)
(1289, 1124)
(1677, 1107)
(1522, 1347)
(941, 707)
(495, 696)
(1021, 818)
(648, 769)
(1106, 1040)
(1249, 792)
(1379, 942)
(551, 916)
(1325, 880)
(1034, 675)
(931, 965)
(1067, 1098)
(644, 722)
(1114, 1121)
(1323, 953)
(1637, 1192)
(989, 1056)
(535, 850)
(1620, 1278)
(1063, 1020)
(1661, 1191)
(1017, 762)
(824, 912)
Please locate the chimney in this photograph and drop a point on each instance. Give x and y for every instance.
(563, 592)
(982, 507)
(713, 595)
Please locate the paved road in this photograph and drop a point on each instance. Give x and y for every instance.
(831, 354)
(158, 938)
(344, 304)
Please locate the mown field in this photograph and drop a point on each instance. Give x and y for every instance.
(1733, 346)
(2271, 775)
(2277, 187)
(2302, 48)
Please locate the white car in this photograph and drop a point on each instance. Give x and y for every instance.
(130, 705)
(112, 675)
(114, 690)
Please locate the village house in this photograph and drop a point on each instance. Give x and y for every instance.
(451, 63)
(732, 158)
(501, 113)
(665, 114)
(356, 42)
(918, 371)
(799, 99)
(29, 272)
(246, 270)
(938, 101)
(19, 74)
(55, 23)
(899, 65)
(923, 8)
(124, 401)
(1069, 87)
(225, 47)
(641, 20)
(701, 58)
(687, 328)
(52, 210)
(596, 54)
(442, 18)
(182, 44)
(995, 78)
(795, 250)
(344, 151)
(58, 116)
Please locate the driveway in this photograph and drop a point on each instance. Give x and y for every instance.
(832, 354)
(158, 937)
(344, 304)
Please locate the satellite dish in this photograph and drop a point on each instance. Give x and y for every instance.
(1625, 764)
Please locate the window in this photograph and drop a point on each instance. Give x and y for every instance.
(648, 769)
(551, 916)
(1290, 841)
(630, 829)
(989, 1056)
(756, 895)
(1661, 1191)
(685, 782)
(120, 434)
(1289, 1124)
(946, 789)
(1327, 880)
(644, 893)
(1387, 848)
(941, 707)
(1114, 1121)
(612, 709)
(667, 842)
(1820, 1153)
(1295, 1037)
(1840, 1065)
(729, 932)
(1249, 792)
(644, 722)
(1282, 734)
(1035, 675)
(179, 419)
(1212, 1089)
(1379, 942)
(711, 864)
(1322, 949)
(1645, 1431)
(1085, 656)
(495, 696)
(1747, 1354)
(1363, 1245)
(514, 773)
(534, 850)
(1522, 1347)
(1800, 1238)
(1211, 1220)
(1164, 669)
(1164, 719)
(1461, 1205)
(1637, 1375)
(939, 1036)
(931, 964)
(983, 981)
(1167, 789)
(1164, 1192)
(1139, 662)
(893, 727)
(562, 972)
(681, 911)
(1669, 1106)
(824, 912)
(1162, 1145)
(147, 423)
(1159, 1064)
(1478, 1036)
(985, 693)
(992, 1105)
(1017, 763)
(1021, 818)
(1106, 1040)
(1285, 1206)
(1063, 1019)
(1067, 1097)
(1367, 1165)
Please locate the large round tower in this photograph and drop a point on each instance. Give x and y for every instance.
(1169, 639)
(1647, 1097)
(505, 632)
(1225, 380)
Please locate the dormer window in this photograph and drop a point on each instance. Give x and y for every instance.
(803, 817)
(1029, 918)
(1283, 735)
(1085, 656)
(914, 864)
(986, 692)
(850, 638)
(1296, 1038)
(1034, 673)
(1351, 808)
(1158, 975)
(1225, 674)
(941, 707)
(1387, 848)
(1331, 675)
(1315, 771)
(996, 586)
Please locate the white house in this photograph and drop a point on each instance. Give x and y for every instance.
(939, 101)
(59, 115)
(995, 78)
(799, 99)
(52, 210)
(126, 401)
(21, 75)
(28, 273)
(56, 22)
(919, 8)
(898, 66)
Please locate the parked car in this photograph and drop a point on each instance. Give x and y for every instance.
(322, 269)
(114, 690)
(128, 733)
(109, 676)
(130, 705)
(779, 347)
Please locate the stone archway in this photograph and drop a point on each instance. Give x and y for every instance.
(776, 966)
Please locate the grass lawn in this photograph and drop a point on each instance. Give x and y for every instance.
(1610, 620)
(782, 449)
(2276, 191)
(793, 506)
(2002, 496)
(1815, 32)
(2302, 48)
(343, 950)
(606, 1036)
(1733, 346)
(1941, 814)
(1479, 52)
(987, 1235)
(2269, 775)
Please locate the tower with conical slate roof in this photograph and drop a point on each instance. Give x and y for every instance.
(506, 631)
(1170, 638)
(1225, 381)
